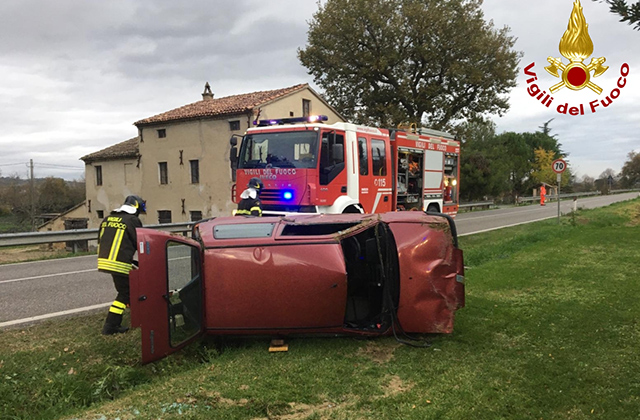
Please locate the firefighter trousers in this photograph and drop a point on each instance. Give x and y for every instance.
(121, 282)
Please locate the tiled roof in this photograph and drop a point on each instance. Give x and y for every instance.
(235, 104)
(123, 150)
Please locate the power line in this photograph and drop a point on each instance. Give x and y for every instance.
(43, 165)
(13, 164)
(51, 165)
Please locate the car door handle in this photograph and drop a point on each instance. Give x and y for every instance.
(142, 298)
(334, 285)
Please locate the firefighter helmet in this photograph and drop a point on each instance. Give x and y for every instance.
(256, 183)
(136, 202)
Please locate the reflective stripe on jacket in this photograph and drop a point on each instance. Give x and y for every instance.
(117, 242)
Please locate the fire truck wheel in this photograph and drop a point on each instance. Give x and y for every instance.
(353, 209)
(433, 208)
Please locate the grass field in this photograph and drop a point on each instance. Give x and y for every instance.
(551, 331)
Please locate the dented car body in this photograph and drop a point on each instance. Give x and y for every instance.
(367, 274)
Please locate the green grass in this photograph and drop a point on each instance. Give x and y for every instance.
(550, 331)
(11, 223)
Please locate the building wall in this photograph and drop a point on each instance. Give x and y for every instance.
(120, 178)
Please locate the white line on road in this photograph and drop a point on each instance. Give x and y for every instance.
(47, 275)
(505, 226)
(53, 315)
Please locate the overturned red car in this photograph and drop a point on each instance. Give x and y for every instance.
(366, 274)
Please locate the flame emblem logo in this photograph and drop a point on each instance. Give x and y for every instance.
(575, 46)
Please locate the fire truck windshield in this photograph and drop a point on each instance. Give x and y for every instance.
(290, 149)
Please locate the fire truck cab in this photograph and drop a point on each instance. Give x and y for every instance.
(311, 167)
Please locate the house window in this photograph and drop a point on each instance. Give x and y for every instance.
(195, 171)
(164, 173)
(164, 216)
(195, 215)
(234, 125)
(162, 133)
(100, 214)
(306, 107)
(98, 175)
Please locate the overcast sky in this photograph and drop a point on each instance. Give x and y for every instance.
(75, 75)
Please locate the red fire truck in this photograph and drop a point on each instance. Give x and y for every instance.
(308, 166)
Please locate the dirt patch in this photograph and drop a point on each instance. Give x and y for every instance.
(31, 253)
(396, 386)
(634, 215)
(303, 411)
(289, 411)
(378, 352)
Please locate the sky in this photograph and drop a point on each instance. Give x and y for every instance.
(75, 75)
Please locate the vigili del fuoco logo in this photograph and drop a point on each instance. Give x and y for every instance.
(576, 46)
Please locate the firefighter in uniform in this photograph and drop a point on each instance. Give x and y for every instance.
(117, 245)
(543, 194)
(250, 204)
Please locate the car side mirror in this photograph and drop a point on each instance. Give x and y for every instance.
(233, 154)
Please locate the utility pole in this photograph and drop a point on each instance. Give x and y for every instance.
(33, 196)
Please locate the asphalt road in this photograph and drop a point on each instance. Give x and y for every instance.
(45, 289)
(482, 221)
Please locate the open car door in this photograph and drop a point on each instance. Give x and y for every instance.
(166, 293)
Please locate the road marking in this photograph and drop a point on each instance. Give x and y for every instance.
(505, 226)
(53, 315)
(47, 275)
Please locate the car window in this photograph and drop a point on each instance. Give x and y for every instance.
(378, 156)
(316, 229)
(238, 231)
(184, 285)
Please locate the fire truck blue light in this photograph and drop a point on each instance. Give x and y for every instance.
(280, 121)
(287, 195)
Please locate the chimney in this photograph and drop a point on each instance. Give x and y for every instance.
(207, 95)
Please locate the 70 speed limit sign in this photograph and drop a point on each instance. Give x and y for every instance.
(559, 166)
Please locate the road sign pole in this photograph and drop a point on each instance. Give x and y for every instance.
(558, 166)
(559, 178)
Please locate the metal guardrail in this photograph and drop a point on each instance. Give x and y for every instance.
(34, 238)
(624, 191)
(481, 204)
(550, 197)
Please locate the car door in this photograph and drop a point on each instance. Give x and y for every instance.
(166, 293)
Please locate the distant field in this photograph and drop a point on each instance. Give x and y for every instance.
(551, 331)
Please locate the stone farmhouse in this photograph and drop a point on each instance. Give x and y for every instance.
(179, 161)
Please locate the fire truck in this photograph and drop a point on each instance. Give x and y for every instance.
(308, 166)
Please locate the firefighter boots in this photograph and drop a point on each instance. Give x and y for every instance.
(112, 325)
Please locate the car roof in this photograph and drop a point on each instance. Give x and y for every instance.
(244, 231)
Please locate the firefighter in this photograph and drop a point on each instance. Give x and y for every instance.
(543, 193)
(117, 245)
(447, 190)
(250, 204)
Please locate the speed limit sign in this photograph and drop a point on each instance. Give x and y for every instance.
(559, 166)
